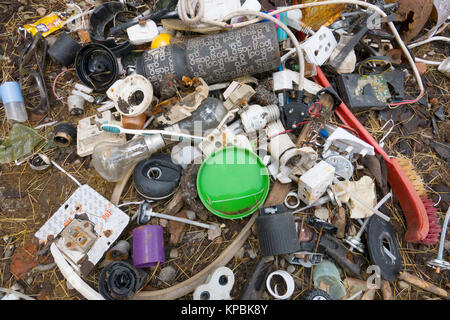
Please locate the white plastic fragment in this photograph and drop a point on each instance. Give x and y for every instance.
(140, 34)
(217, 287)
(365, 188)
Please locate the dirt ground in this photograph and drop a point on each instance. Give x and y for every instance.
(28, 198)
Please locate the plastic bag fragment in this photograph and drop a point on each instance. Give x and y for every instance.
(21, 141)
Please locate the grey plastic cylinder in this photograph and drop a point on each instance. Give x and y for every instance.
(215, 58)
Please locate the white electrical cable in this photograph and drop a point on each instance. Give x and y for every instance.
(82, 287)
(68, 174)
(434, 63)
(438, 38)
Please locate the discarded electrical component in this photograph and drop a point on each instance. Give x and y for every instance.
(327, 273)
(277, 232)
(157, 177)
(224, 137)
(132, 95)
(367, 92)
(314, 182)
(96, 66)
(236, 94)
(343, 167)
(255, 117)
(319, 46)
(64, 134)
(196, 57)
(207, 116)
(12, 99)
(108, 157)
(76, 104)
(289, 283)
(64, 50)
(286, 158)
(294, 113)
(217, 287)
(148, 246)
(89, 134)
(197, 91)
(346, 142)
(255, 286)
(120, 281)
(84, 227)
(383, 248)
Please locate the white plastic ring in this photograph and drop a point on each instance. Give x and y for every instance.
(292, 194)
(290, 285)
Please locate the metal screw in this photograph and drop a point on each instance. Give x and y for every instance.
(355, 242)
(439, 263)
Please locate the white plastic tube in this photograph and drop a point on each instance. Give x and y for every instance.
(82, 287)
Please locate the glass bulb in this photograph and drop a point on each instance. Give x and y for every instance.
(112, 160)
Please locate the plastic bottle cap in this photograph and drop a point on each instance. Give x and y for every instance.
(10, 92)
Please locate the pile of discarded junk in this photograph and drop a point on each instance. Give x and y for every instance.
(240, 111)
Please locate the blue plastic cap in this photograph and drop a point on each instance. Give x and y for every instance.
(324, 133)
(10, 92)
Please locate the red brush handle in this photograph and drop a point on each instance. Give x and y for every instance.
(413, 208)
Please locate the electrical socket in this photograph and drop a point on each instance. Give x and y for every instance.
(319, 47)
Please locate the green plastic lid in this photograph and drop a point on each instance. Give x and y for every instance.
(233, 182)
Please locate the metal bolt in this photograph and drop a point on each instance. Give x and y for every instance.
(439, 263)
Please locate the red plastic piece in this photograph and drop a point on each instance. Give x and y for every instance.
(433, 221)
(413, 208)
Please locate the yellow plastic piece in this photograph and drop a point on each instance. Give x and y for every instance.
(162, 40)
(315, 17)
(48, 24)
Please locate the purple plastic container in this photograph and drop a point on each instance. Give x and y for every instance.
(148, 246)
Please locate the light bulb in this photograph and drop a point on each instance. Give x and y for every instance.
(113, 160)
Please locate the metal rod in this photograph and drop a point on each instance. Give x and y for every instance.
(169, 217)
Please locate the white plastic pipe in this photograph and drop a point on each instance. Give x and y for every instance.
(77, 283)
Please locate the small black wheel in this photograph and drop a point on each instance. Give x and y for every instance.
(316, 294)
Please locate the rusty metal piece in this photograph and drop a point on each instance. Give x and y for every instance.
(413, 14)
(315, 17)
